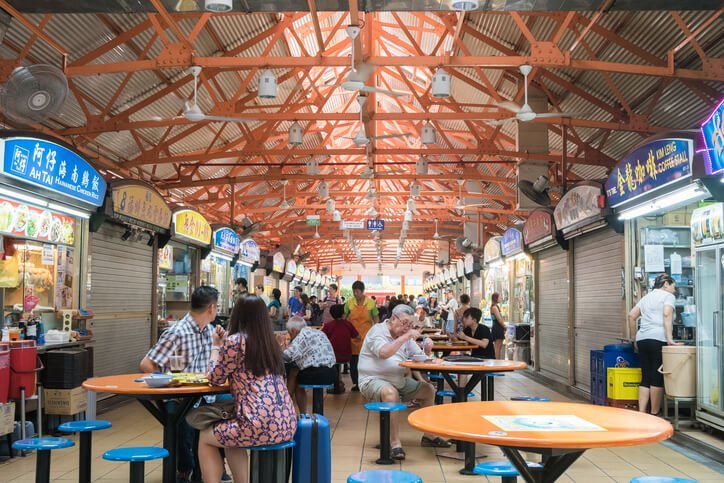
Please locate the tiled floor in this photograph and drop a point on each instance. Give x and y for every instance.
(355, 433)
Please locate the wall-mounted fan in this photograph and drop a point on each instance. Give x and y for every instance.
(34, 93)
(249, 227)
(536, 191)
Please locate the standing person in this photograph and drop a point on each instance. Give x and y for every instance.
(259, 292)
(241, 287)
(306, 311)
(316, 319)
(250, 358)
(275, 311)
(450, 307)
(295, 302)
(460, 312)
(363, 313)
(477, 334)
(498, 325)
(656, 311)
(421, 300)
(340, 333)
(332, 298)
(190, 338)
(412, 302)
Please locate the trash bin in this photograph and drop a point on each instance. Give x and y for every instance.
(679, 370)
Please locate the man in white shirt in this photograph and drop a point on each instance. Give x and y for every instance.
(451, 306)
(382, 379)
(259, 292)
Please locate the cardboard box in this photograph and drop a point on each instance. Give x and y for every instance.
(65, 401)
(7, 418)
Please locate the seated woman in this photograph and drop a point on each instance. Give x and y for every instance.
(250, 358)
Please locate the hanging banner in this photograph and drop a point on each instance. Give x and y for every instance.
(31, 222)
(491, 251)
(48, 165)
(226, 240)
(137, 201)
(192, 225)
(579, 204)
(353, 225)
(250, 254)
(707, 224)
(538, 226)
(512, 242)
(278, 262)
(649, 168)
(713, 132)
(469, 262)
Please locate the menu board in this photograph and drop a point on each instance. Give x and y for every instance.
(30, 222)
(707, 224)
(649, 168)
(278, 262)
(249, 253)
(51, 166)
(140, 202)
(192, 225)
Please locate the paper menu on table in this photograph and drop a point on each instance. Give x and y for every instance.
(562, 422)
(654, 258)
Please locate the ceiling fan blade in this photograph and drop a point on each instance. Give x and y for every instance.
(384, 91)
(500, 122)
(508, 106)
(562, 114)
(390, 136)
(227, 119)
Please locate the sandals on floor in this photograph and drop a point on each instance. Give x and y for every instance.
(397, 454)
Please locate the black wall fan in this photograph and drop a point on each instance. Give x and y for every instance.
(536, 191)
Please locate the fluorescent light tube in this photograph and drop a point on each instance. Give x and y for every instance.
(23, 197)
(69, 211)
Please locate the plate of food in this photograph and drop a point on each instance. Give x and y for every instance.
(56, 230)
(21, 218)
(44, 224)
(6, 216)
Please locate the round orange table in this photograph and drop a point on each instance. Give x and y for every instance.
(153, 400)
(442, 348)
(560, 432)
(477, 375)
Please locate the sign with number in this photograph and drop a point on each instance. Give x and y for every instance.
(249, 253)
(648, 168)
(226, 240)
(713, 132)
(192, 225)
(136, 200)
(376, 224)
(53, 167)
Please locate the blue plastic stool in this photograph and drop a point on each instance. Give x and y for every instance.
(270, 463)
(42, 460)
(490, 383)
(385, 408)
(531, 398)
(137, 456)
(384, 476)
(451, 394)
(660, 479)
(317, 396)
(504, 469)
(85, 428)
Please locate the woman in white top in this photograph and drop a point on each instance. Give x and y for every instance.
(656, 311)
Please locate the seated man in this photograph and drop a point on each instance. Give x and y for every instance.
(382, 379)
(309, 359)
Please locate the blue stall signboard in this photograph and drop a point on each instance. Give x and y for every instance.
(648, 168)
(227, 240)
(713, 132)
(512, 242)
(53, 167)
(378, 225)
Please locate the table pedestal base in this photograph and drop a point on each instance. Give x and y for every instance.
(554, 464)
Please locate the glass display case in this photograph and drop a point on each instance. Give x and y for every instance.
(176, 279)
(216, 272)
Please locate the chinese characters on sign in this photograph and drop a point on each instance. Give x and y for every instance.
(140, 203)
(378, 225)
(512, 242)
(579, 204)
(226, 239)
(713, 132)
(51, 166)
(538, 226)
(190, 224)
(648, 168)
(278, 262)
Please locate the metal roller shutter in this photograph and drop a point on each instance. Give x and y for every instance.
(552, 322)
(120, 287)
(598, 260)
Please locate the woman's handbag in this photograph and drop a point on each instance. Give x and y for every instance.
(204, 416)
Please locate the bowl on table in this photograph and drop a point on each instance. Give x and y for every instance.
(158, 380)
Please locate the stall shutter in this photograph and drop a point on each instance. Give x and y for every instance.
(598, 260)
(552, 323)
(120, 283)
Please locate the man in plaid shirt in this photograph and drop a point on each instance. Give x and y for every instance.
(190, 338)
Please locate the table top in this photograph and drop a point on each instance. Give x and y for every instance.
(434, 337)
(125, 384)
(453, 347)
(551, 425)
(490, 365)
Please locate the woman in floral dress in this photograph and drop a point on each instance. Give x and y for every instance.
(250, 358)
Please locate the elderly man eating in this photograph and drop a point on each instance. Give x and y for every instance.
(382, 379)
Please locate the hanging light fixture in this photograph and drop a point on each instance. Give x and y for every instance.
(428, 135)
(415, 189)
(267, 84)
(421, 166)
(330, 206)
(464, 5)
(441, 83)
(218, 6)
(316, 231)
(323, 190)
(296, 134)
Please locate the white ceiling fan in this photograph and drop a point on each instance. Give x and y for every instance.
(284, 205)
(525, 113)
(361, 138)
(460, 203)
(193, 112)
